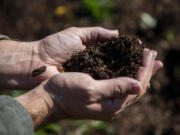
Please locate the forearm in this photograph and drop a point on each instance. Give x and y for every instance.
(17, 60)
(38, 103)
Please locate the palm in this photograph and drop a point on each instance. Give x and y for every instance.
(97, 97)
(56, 49)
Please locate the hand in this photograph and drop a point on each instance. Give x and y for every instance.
(100, 100)
(79, 96)
(148, 68)
(56, 49)
(19, 59)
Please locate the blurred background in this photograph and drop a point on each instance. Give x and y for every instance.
(155, 22)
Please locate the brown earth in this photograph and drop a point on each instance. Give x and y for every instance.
(109, 59)
(158, 112)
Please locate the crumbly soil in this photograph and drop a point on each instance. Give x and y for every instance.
(158, 112)
(109, 59)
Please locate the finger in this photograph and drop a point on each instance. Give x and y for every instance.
(145, 71)
(118, 87)
(105, 109)
(147, 64)
(92, 34)
(109, 109)
(112, 107)
(150, 70)
(119, 105)
(148, 56)
(131, 99)
(158, 65)
(147, 61)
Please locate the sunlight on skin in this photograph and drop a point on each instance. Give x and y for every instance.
(60, 96)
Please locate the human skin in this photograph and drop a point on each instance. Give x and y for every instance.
(19, 59)
(79, 96)
(96, 99)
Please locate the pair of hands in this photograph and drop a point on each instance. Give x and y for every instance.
(78, 95)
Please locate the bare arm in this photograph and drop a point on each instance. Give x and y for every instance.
(17, 59)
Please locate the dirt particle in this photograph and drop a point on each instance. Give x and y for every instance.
(38, 71)
(109, 59)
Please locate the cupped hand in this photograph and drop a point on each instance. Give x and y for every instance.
(148, 68)
(56, 49)
(79, 96)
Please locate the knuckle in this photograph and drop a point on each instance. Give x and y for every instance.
(88, 82)
(87, 77)
(91, 86)
(73, 28)
(93, 92)
(99, 28)
(118, 87)
(117, 90)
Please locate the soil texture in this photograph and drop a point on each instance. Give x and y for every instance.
(109, 59)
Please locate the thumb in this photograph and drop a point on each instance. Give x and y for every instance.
(119, 87)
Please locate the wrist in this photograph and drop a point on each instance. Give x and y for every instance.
(17, 61)
(38, 103)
